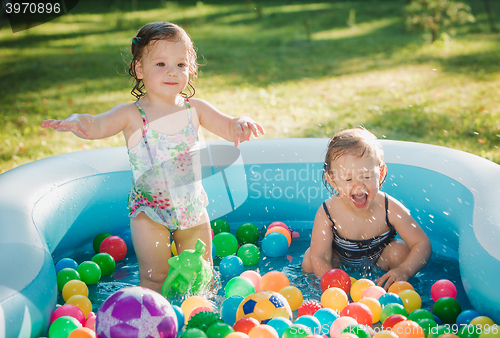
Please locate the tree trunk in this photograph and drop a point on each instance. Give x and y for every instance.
(490, 16)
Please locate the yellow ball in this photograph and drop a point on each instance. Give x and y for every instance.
(191, 303)
(492, 331)
(353, 280)
(263, 331)
(173, 248)
(411, 300)
(81, 302)
(359, 287)
(374, 306)
(334, 298)
(74, 287)
(293, 295)
(397, 287)
(483, 321)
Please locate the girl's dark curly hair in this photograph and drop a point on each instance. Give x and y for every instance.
(151, 33)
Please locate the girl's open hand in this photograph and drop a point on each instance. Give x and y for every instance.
(393, 275)
(72, 123)
(244, 128)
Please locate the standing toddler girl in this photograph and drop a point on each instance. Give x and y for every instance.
(161, 133)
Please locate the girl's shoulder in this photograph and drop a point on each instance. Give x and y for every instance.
(394, 204)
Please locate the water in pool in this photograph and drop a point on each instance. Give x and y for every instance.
(127, 274)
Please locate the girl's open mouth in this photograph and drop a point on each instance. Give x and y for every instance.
(360, 200)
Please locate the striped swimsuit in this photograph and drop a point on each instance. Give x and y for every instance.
(361, 252)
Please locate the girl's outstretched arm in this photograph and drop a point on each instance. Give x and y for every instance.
(233, 129)
(321, 244)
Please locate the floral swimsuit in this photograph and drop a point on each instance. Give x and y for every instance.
(167, 176)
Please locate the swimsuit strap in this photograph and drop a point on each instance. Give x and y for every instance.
(144, 118)
(386, 212)
(328, 213)
(188, 106)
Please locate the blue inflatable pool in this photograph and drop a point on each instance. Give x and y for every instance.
(53, 206)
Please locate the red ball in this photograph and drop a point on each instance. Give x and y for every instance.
(336, 278)
(392, 320)
(360, 312)
(245, 324)
(115, 246)
(309, 308)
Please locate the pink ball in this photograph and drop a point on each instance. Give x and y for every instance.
(279, 224)
(90, 323)
(340, 324)
(115, 246)
(360, 312)
(373, 291)
(254, 277)
(69, 310)
(199, 309)
(443, 288)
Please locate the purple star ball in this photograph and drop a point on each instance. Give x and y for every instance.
(136, 312)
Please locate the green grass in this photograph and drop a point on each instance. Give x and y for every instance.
(296, 67)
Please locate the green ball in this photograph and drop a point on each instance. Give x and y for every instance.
(106, 262)
(63, 326)
(392, 309)
(419, 314)
(193, 333)
(239, 286)
(219, 225)
(65, 275)
(447, 309)
(219, 330)
(469, 331)
(225, 244)
(358, 330)
(247, 233)
(427, 325)
(98, 240)
(90, 272)
(439, 330)
(296, 331)
(249, 254)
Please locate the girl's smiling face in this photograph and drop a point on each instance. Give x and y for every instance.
(357, 179)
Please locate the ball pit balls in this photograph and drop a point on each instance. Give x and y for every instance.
(392, 320)
(65, 275)
(280, 324)
(399, 286)
(374, 306)
(419, 314)
(180, 316)
(447, 309)
(357, 330)
(282, 231)
(198, 310)
(90, 272)
(408, 329)
(219, 330)
(74, 287)
(82, 302)
(334, 298)
(274, 245)
(63, 326)
(225, 244)
(466, 316)
(411, 300)
(274, 281)
(263, 331)
(311, 322)
(193, 333)
(230, 266)
(228, 309)
(254, 276)
(336, 278)
(360, 312)
(82, 332)
(392, 309)
(68, 310)
(263, 306)
(340, 324)
(249, 254)
(98, 240)
(385, 334)
(326, 317)
(90, 323)
(309, 308)
(374, 292)
(296, 331)
(359, 287)
(66, 263)
(136, 310)
(191, 303)
(106, 262)
(278, 224)
(115, 246)
(247, 233)
(239, 286)
(389, 298)
(237, 335)
(293, 295)
(443, 288)
(219, 225)
(245, 324)
(203, 320)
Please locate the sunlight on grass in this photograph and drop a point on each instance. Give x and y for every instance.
(358, 30)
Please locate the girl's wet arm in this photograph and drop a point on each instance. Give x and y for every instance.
(321, 244)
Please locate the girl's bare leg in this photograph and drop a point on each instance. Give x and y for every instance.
(187, 238)
(393, 255)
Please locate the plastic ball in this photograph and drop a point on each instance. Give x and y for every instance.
(282, 231)
(65, 275)
(419, 314)
(263, 306)
(399, 286)
(69, 310)
(296, 331)
(385, 334)
(392, 309)
(471, 331)
(411, 300)
(90, 272)
(392, 320)
(443, 288)
(191, 303)
(228, 309)
(90, 322)
(374, 292)
(279, 224)
(280, 324)
(247, 233)
(98, 240)
(193, 333)
(66, 263)
(237, 335)
(408, 329)
(357, 330)
(115, 246)
(239, 286)
(82, 302)
(254, 276)
(230, 266)
(334, 298)
(245, 324)
(198, 310)
(309, 308)
(293, 295)
(219, 225)
(219, 330)
(249, 254)
(180, 316)
(106, 262)
(274, 281)
(326, 317)
(340, 324)
(202, 320)
(336, 278)
(359, 287)
(263, 331)
(74, 287)
(427, 325)
(360, 312)
(482, 321)
(374, 306)
(389, 298)
(447, 309)
(274, 245)
(466, 316)
(225, 243)
(82, 332)
(311, 322)
(63, 326)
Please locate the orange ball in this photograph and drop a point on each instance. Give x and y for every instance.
(263, 331)
(274, 281)
(82, 332)
(293, 295)
(359, 287)
(81, 302)
(408, 329)
(334, 298)
(191, 303)
(237, 335)
(374, 306)
(282, 231)
(397, 287)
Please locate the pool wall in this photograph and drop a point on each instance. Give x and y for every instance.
(53, 206)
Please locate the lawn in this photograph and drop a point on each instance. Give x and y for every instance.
(297, 67)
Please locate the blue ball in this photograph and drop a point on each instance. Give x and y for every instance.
(465, 317)
(228, 309)
(280, 324)
(230, 266)
(180, 316)
(311, 322)
(214, 251)
(274, 244)
(388, 298)
(66, 263)
(326, 317)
